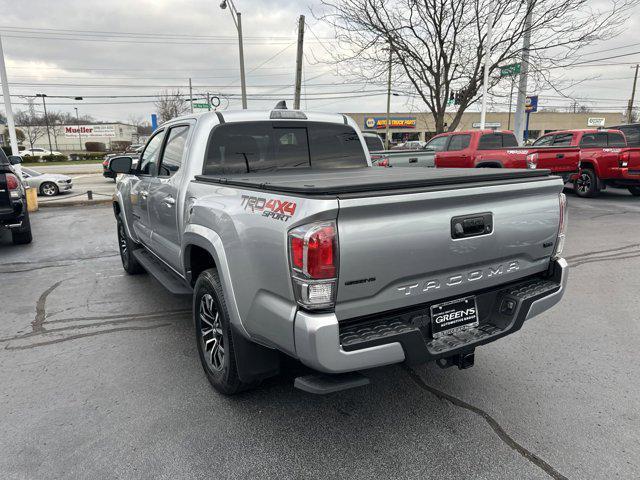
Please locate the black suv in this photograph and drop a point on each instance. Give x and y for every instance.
(13, 201)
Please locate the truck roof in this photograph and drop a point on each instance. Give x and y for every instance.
(233, 116)
(475, 131)
(584, 130)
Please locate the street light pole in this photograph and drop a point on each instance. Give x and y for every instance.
(518, 121)
(237, 20)
(386, 139)
(78, 122)
(46, 119)
(13, 139)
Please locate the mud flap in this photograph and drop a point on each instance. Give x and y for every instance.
(254, 361)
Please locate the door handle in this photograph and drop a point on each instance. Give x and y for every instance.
(169, 201)
(413, 160)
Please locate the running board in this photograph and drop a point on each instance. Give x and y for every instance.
(323, 383)
(163, 274)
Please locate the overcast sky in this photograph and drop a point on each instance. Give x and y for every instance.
(70, 64)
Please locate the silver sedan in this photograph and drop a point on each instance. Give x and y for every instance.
(47, 184)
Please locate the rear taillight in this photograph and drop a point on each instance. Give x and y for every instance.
(562, 227)
(313, 256)
(624, 159)
(13, 185)
(532, 161)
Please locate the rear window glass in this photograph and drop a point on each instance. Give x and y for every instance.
(459, 142)
(543, 141)
(562, 140)
(271, 146)
(497, 140)
(617, 140)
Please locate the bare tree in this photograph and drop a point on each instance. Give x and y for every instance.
(31, 124)
(170, 104)
(437, 46)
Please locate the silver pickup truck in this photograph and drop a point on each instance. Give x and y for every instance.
(291, 243)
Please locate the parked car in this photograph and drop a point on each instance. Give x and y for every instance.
(424, 157)
(38, 152)
(499, 149)
(13, 201)
(631, 132)
(273, 222)
(47, 184)
(605, 159)
(410, 145)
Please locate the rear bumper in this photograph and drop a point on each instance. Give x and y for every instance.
(624, 177)
(330, 346)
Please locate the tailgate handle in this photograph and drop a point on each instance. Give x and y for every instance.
(413, 160)
(471, 225)
(560, 155)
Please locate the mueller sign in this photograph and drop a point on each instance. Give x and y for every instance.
(90, 130)
(371, 123)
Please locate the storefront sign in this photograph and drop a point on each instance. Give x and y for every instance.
(374, 123)
(595, 122)
(487, 125)
(90, 130)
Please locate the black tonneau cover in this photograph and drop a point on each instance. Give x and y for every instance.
(370, 179)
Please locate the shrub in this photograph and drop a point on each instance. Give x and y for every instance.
(87, 156)
(120, 145)
(95, 147)
(55, 158)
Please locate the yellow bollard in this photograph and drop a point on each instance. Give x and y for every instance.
(32, 199)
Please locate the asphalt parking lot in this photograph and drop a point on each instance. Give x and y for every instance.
(101, 379)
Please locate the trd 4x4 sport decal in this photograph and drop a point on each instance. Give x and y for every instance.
(269, 207)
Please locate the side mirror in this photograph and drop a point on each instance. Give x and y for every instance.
(15, 159)
(120, 165)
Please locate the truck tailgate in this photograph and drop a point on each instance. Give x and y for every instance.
(398, 250)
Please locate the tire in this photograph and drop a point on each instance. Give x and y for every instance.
(49, 189)
(213, 335)
(23, 235)
(126, 247)
(635, 191)
(586, 185)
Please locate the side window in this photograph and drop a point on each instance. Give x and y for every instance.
(509, 140)
(173, 150)
(562, 140)
(148, 164)
(616, 140)
(437, 144)
(490, 141)
(545, 141)
(588, 140)
(335, 146)
(459, 142)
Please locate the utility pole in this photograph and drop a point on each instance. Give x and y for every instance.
(296, 97)
(387, 139)
(46, 119)
(485, 83)
(633, 97)
(78, 122)
(13, 139)
(237, 20)
(524, 74)
(190, 95)
(510, 103)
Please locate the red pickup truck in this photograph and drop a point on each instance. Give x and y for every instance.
(605, 159)
(499, 149)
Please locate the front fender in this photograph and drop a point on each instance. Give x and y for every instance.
(118, 200)
(209, 240)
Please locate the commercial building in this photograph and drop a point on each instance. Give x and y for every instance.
(420, 126)
(65, 138)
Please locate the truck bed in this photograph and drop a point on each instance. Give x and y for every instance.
(372, 180)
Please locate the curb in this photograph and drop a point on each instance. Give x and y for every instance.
(77, 203)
